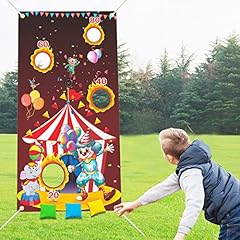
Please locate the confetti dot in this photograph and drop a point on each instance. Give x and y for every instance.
(109, 165)
(114, 180)
(52, 21)
(55, 30)
(73, 46)
(118, 166)
(84, 63)
(50, 34)
(60, 52)
(43, 38)
(36, 37)
(40, 27)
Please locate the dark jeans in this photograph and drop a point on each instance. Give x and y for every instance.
(230, 226)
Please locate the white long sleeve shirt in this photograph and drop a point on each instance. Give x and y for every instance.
(191, 182)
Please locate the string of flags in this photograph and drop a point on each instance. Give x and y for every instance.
(109, 15)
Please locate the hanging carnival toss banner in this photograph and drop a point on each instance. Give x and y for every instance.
(68, 114)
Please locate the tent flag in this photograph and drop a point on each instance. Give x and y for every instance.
(68, 116)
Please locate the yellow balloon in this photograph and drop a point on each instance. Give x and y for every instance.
(34, 95)
(38, 103)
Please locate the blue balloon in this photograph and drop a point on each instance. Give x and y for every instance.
(72, 135)
(98, 52)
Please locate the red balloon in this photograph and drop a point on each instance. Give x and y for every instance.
(26, 100)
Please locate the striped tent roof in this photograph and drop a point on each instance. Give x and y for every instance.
(51, 129)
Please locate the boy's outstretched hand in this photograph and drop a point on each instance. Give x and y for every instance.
(126, 207)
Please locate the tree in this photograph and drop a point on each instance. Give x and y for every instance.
(8, 103)
(128, 89)
(225, 97)
(211, 101)
(190, 112)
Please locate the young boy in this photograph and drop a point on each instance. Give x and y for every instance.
(206, 186)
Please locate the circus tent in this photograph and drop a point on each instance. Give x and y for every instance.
(48, 133)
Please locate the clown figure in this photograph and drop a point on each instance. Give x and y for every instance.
(88, 150)
(72, 63)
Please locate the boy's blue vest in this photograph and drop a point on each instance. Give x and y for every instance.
(222, 189)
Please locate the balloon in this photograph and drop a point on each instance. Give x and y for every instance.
(78, 131)
(92, 57)
(38, 103)
(63, 138)
(63, 146)
(65, 128)
(36, 152)
(72, 135)
(34, 95)
(26, 99)
(98, 52)
(71, 146)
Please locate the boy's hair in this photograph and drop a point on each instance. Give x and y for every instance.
(174, 141)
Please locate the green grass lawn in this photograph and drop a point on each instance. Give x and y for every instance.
(142, 167)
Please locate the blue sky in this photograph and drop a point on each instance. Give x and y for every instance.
(146, 26)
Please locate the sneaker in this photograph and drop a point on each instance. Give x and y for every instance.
(82, 197)
(108, 195)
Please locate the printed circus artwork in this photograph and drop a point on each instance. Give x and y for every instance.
(68, 122)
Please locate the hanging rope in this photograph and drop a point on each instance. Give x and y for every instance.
(112, 14)
(20, 14)
(21, 208)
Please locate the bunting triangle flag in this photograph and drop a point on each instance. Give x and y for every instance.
(46, 115)
(46, 14)
(89, 113)
(63, 96)
(62, 15)
(78, 14)
(27, 14)
(106, 130)
(37, 124)
(94, 14)
(36, 13)
(97, 121)
(51, 14)
(54, 106)
(105, 16)
(81, 105)
(83, 14)
(41, 13)
(29, 132)
(67, 15)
